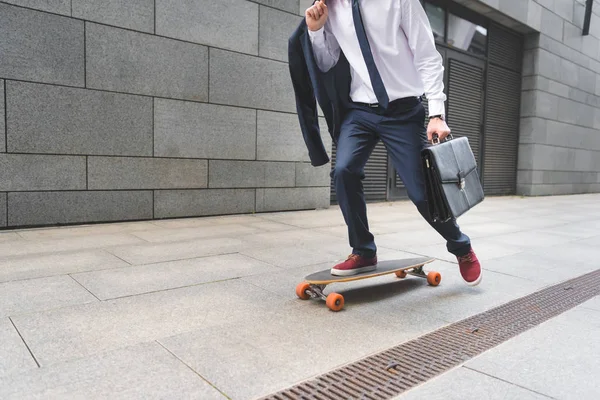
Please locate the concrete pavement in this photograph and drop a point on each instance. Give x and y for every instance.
(205, 307)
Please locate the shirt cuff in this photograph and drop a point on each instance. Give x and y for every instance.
(317, 36)
(436, 107)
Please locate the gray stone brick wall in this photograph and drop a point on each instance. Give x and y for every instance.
(115, 110)
(559, 150)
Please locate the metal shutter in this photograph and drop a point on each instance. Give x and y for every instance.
(375, 182)
(505, 48)
(501, 127)
(501, 131)
(465, 102)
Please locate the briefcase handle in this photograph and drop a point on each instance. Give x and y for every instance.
(435, 140)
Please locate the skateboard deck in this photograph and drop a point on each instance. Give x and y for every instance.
(314, 284)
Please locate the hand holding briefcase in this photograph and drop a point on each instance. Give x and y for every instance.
(451, 178)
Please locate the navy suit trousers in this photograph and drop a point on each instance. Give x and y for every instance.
(401, 128)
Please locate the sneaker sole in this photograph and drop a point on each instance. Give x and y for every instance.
(475, 282)
(355, 271)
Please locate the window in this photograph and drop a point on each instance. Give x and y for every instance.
(437, 20)
(456, 31)
(466, 35)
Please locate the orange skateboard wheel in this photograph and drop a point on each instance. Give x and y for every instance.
(434, 278)
(335, 301)
(401, 274)
(301, 290)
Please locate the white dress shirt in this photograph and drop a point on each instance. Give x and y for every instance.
(402, 44)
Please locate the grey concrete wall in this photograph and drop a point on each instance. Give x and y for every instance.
(139, 109)
(559, 150)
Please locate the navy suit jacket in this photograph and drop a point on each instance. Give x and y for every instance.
(330, 89)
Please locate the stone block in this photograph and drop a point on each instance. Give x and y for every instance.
(587, 80)
(279, 137)
(534, 15)
(42, 208)
(533, 130)
(529, 62)
(51, 119)
(286, 5)
(546, 105)
(132, 14)
(186, 129)
(572, 36)
(231, 24)
(552, 24)
(275, 28)
(590, 46)
(242, 80)
(41, 47)
(526, 156)
(517, 9)
(292, 199)
(41, 172)
(2, 119)
(578, 13)
(2, 209)
(569, 73)
(304, 4)
(578, 95)
(53, 6)
(146, 173)
(250, 174)
(564, 9)
(307, 175)
(559, 89)
(188, 203)
(126, 373)
(133, 62)
(572, 112)
(548, 64)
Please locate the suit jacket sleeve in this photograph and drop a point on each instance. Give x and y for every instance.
(306, 104)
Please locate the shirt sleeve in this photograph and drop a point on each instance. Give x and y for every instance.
(325, 48)
(427, 59)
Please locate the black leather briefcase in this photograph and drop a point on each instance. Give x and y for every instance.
(451, 178)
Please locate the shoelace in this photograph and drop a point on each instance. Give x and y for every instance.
(353, 257)
(466, 257)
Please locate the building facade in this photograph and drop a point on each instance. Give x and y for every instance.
(115, 110)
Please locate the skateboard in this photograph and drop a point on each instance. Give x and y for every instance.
(314, 284)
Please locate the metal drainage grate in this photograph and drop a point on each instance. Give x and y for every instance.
(391, 372)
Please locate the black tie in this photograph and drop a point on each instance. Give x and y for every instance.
(376, 81)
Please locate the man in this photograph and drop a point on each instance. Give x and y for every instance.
(390, 50)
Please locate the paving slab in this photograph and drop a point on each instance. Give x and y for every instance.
(9, 237)
(28, 267)
(27, 247)
(158, 235)
(245, 360)
(84, 330)
(14, 356)
(160, 252)
(84, 230)
(463, 384)
(291, 256)
(559, 358)
(32, 295)
(593, 304)
(120, 282)
(206, 221)
(143, 371)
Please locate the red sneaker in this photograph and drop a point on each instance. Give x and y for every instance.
(355, 264)
(470, 268)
